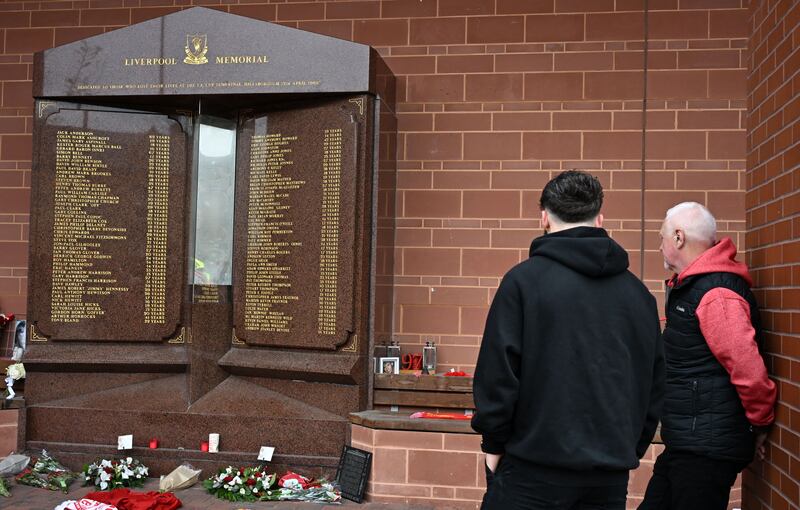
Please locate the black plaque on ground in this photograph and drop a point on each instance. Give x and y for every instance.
(353, 472)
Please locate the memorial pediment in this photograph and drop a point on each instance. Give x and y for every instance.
(203, 51)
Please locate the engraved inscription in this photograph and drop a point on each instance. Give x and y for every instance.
(329, 242)
(79, 263)
(269, 234)
(155, 283)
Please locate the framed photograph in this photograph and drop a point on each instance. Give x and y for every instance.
(389, 366)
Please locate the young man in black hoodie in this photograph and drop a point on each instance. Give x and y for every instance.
(570, 376)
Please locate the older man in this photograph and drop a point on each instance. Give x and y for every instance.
(719, 401)
(570, 374)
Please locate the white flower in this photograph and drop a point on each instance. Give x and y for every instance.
(105, 463)
(144, 471)
(16, 371)
(105, 476)
(129, 460)
(103, 485)
(255, 490)
(241, 491)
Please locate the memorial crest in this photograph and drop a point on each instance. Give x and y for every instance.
(196, 49)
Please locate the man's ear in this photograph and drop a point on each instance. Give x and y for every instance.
(598, 221)
(545, 221)
(679, 238)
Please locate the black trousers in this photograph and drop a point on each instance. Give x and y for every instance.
(513, 487)
(686, 481)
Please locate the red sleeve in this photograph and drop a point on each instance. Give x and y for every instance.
(724, 318)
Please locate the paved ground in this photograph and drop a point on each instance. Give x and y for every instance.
(194, 498)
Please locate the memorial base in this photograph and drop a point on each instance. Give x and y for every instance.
(247, 416)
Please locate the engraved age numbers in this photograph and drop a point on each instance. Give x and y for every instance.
(300, 193)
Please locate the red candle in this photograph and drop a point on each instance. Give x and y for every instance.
(154, 443)
(204, 446)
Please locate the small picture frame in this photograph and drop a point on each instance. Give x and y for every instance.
(389, 365)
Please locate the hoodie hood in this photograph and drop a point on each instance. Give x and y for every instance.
(586, 250)
(720, 258)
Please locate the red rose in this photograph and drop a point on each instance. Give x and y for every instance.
(108, 470)
(250, 482)
(227, 479)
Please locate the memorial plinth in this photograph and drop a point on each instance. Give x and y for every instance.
(211, 241)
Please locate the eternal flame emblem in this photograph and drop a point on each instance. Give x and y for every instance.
(196, 49)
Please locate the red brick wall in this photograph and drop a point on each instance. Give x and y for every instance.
(495, 97)
(773, 234)
(443, 470)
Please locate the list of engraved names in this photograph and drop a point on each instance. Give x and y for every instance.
(269, 233)
(84, 271)
(78, 231)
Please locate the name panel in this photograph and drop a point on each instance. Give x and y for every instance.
(294, 240)
(108, 253)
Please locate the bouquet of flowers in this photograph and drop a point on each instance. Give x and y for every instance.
(47, 473)
(112, 474)
(294, 487)
(242, 484)
(14, 372)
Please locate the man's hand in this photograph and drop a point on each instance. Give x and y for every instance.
(492, 460)
(761, 449)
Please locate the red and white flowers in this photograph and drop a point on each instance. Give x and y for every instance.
(240, 484)
(111, 474)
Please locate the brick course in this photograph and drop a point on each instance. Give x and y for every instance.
(443, 470)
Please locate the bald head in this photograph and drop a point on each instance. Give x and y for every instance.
(688, 230)
(695, 220)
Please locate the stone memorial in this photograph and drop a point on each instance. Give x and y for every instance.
(211, 242)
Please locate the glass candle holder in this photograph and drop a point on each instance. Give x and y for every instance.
(429, 358)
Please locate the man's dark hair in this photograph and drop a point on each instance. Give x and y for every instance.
(573, 196)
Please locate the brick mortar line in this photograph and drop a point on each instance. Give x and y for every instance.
(771, 158)
(772, 95)
(774, 201)
(764, 19)
(778, 67)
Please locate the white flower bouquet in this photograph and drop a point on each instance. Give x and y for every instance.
(14, 372)
(112, 474)
(240, 484)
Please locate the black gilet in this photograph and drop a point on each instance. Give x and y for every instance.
(702, 410)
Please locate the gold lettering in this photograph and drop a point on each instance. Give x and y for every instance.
(153, 61)
(267, 282)
(242, 59)
(77, 230)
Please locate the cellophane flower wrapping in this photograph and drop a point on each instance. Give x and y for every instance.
(47, 473)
